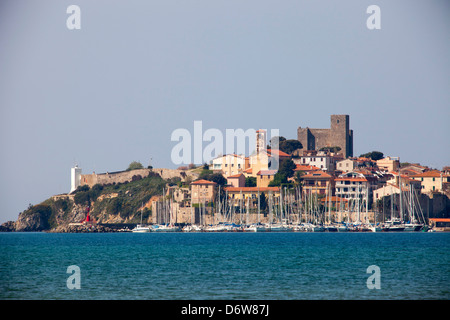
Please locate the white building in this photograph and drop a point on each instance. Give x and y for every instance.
(75, 178)
(320, 160)
(229, 164)
(353, 185)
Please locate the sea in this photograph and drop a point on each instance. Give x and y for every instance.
(225, 266)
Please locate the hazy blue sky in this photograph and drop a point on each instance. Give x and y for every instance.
(114, 91)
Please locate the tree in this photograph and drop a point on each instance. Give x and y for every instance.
(135, 165)
(287, 167)
(289, 146)
(250, 181)
(374, 155)
(334, 149)
(278, 179)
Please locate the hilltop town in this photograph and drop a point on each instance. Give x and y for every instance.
(318, 180)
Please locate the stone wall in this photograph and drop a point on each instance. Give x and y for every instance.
(126, 176)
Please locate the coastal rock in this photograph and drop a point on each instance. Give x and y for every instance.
(8, 226)
(81, 228)
(34, 219)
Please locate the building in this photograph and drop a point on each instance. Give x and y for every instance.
(263, 177)
(318, 182)
(347, 165)
(354, 185)
(339, 135)
(431, 181)
(388, 164)
(238, 180)
(251, 192)
(203, 191)
(229, 164)
(320, 159)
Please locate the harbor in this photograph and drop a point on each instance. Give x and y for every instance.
(287, 211)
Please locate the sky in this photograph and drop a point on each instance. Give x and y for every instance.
(113, 91)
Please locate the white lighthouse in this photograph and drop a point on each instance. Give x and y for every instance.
(75, 178)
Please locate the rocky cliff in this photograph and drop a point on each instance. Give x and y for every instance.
(111, 203)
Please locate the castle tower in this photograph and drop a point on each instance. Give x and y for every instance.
(340, 133)
(75, 178)
(261, 143)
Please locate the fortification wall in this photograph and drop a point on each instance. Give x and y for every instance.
(126, 176)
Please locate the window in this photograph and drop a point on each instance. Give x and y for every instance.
(434, 179)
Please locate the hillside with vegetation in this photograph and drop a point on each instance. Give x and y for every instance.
(107, 204)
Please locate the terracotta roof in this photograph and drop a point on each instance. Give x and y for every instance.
(351, 179)
(334, 199)
(203, 182)
(236, 175)
(440, 219)
(267, 172)
(431, 173)
(317, 174)
(251, 189)
(301, 167)
(280, 153)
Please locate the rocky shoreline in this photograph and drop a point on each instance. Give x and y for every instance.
(78, 228)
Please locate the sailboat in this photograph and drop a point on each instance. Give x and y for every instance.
(140, 228)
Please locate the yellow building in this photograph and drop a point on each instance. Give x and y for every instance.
(251, 192)
(432, 181)
(388, 164)
(203, 191)
(263, 177)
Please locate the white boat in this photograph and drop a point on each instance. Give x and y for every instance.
(374, 228)
(278, 228)
(165, 228)
(141, 229)
(318, 229)
(192, 228)
(413, 226)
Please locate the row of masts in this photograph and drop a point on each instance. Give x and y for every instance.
(291, 206)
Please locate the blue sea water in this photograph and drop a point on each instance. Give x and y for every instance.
(226, 266)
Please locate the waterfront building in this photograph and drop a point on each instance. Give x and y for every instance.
(431, 181)
(237, 180)
(263, 177)
(203, 191)
(318, 182)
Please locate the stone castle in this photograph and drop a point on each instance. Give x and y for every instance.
(339, 135)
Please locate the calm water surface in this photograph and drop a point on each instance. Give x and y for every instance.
(269, 266)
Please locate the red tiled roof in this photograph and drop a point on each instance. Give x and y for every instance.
(267, 172)
(317, 174)
(236, 176)
(301, 167)
(351, 179)
(431, 173)
(280, 153)
(251, 189)
(203, 182)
